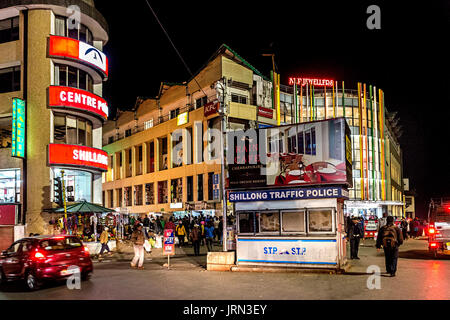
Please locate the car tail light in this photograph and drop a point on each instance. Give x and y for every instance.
(431, 231)
(38, 255)
(433, 245)
(86, 251)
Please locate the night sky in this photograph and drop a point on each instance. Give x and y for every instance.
(408, 58)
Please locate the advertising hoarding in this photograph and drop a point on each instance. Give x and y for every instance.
(63, 154)
(68, 48)
(311, 153)
(66, 97)
(169, 243)
(18, 129)
(211, 108)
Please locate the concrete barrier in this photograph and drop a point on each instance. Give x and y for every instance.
(220, 261)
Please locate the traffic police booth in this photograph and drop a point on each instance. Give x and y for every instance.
(301, 228)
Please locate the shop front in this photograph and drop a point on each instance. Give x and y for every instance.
(301, 228)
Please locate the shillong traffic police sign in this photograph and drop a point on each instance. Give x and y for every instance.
(290, 194)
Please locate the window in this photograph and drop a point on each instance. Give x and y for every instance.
(177, 148)
(174, 113)
(10, 186)
(189, 146)
(151, 157)
(10, 79)
(9, 30)
(163, 156)
(199, 142)
(269, 221)
(127, 196)
(78, 184)
(72, 130)
(63, 29)
(149, 194)
(201, 102)
(138, 195)
(210, 186)
(200, 187)
(320, 220)
(293, 222)
(127, 132)
(190, 189)
(238, 98)
(176, 191)
(73, 77)
(247, 222)
(61, 244)
(111, 198)
(148, 124)
(119, 197)
(15, 248)
(309, 141)
(162, 192)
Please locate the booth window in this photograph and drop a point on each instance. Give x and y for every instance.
(320, 221)
(293, 222)
(247, 222)
(269, 221)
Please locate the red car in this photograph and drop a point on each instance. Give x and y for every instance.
(37, 259)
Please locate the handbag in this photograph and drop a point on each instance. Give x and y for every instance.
(147, 246)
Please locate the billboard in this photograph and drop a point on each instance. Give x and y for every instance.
(312, 153)
(80, 156)
(18, 128)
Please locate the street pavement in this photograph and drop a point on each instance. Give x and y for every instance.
(419, 277)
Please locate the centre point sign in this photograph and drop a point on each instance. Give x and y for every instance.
(79, 156)
(66, 97)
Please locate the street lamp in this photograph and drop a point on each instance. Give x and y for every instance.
(220, 85)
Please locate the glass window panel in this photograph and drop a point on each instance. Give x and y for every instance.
(269, 222)
(81, 132)
(293, 221)
(60, 129)
(83, 33)
(72, 77)
(88, 134)
(71, 130)
(73, 33)
(246, 222)
(83, 80)
(60, 26)
(320, 220)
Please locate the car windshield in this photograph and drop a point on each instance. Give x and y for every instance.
(60, 244)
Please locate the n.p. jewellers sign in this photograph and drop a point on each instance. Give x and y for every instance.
(68, 48)
(66, 97)
(290, 194)
(312, 82)
(63, 154)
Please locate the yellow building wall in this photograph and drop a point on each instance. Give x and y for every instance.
(242, 111)
(38, 121)
(231, 69)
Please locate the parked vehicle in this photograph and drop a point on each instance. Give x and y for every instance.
(38, 259)
(439, 227)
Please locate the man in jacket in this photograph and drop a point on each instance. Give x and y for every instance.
(181, 233)
(195, 238)
(104, 238)
(391, 238)
(138, 239)
(354, 233)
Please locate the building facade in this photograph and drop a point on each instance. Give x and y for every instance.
(52, 69)
(148, 173)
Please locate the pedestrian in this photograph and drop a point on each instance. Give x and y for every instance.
(404, 226)
(138, 238)
(170, 225)
(416, 225)
(181, 233)
(382, 221)
(390, 238)
(195, 238)
(202, 232)
(221, 229)
(146, 223)
(354, 233)
(104, 238)
(209, 234)
(216, 228)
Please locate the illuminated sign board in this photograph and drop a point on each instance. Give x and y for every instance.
(69, 48)
(77, 99)
(211, 108)
(183, 118)
(265, 113)
(63, 154)
(18, 128)
(312, 82)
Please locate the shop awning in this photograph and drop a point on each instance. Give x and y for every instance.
(84, 207)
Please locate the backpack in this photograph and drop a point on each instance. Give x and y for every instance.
(389, 237)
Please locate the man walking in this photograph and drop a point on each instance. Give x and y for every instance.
(104, 238)
(209, 233)
(354, 234)
(391, 238)
(138, 238)
(181, 233)
(404, 226)
(195, 238)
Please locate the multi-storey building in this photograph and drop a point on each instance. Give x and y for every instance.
(51, 110)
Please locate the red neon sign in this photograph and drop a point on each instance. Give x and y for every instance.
(312, 82)
(69, 48)
(63, 154)
(78, 99)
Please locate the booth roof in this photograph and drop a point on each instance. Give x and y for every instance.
(84, 207)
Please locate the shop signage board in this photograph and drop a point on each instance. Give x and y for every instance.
(288, 194)
(8, 215)
(63, 154)
(169, 242)
(311, 82)
(311, 153)
(183, 118)
(18, 128)
(68, 48)
(66, 97)
(211, 108)
(287, 251)
(265, 112)
(216, 187)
